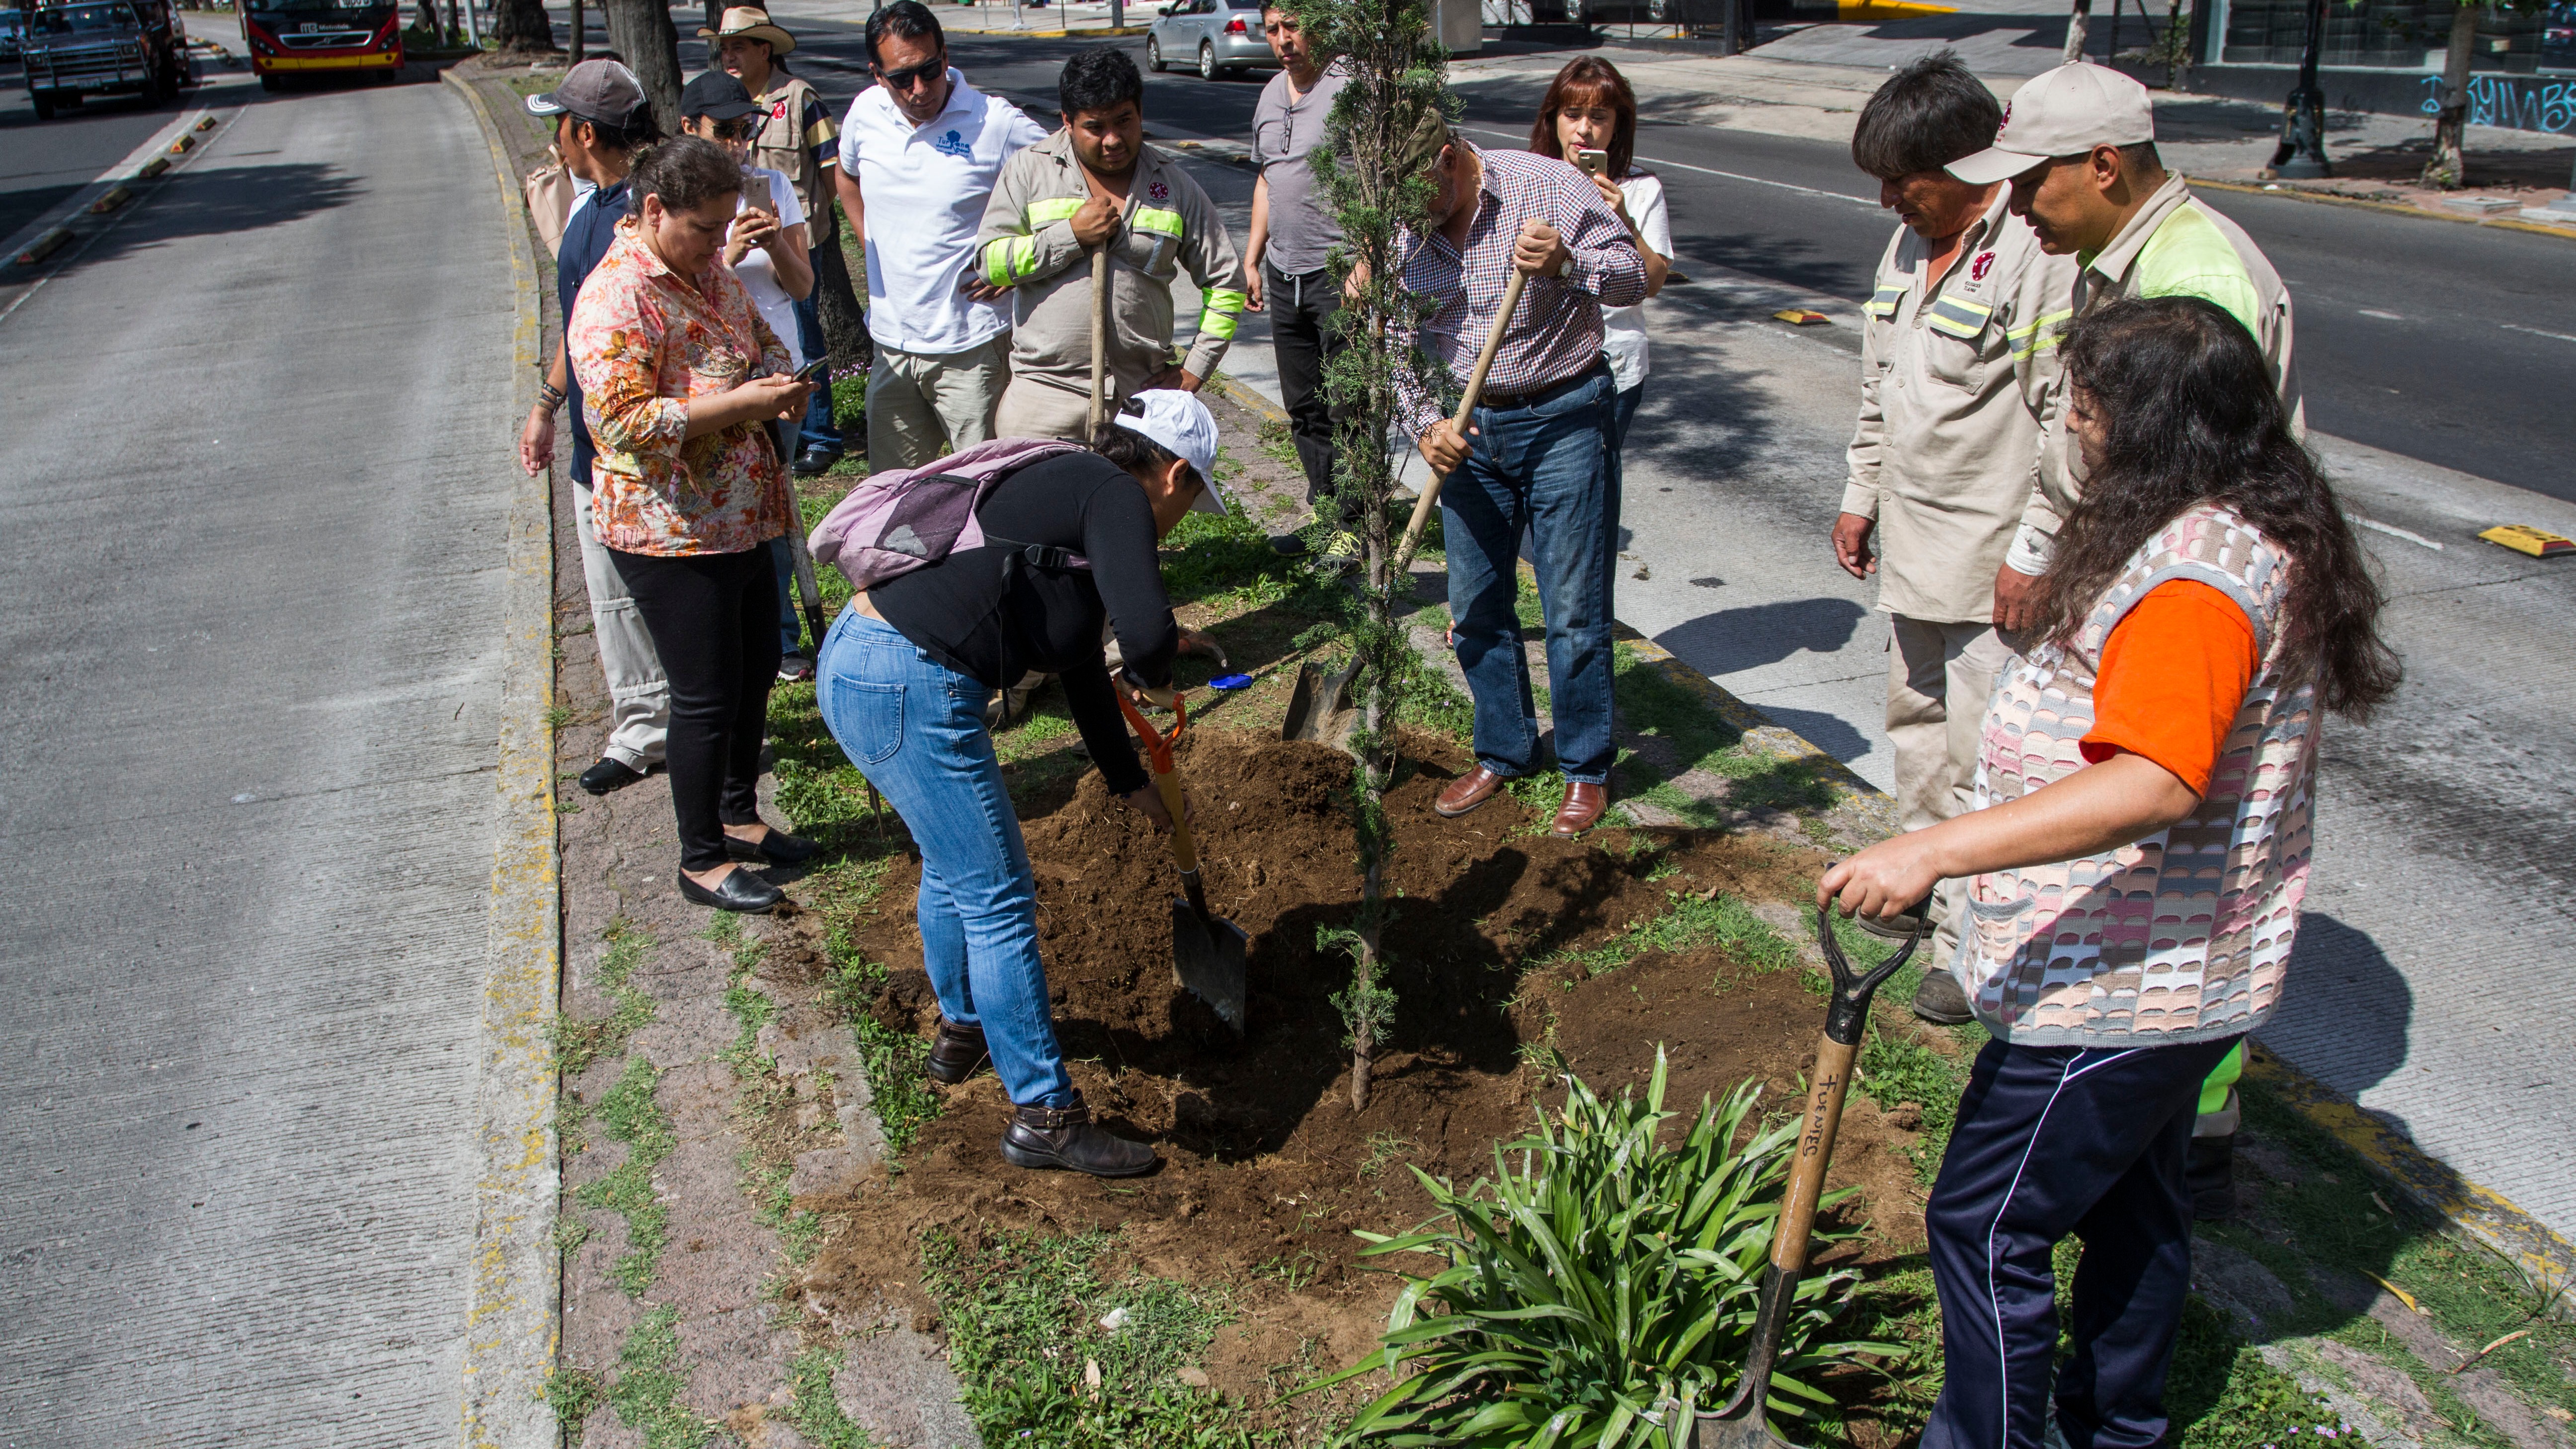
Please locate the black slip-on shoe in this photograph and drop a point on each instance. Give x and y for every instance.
(815, 461)
(740, 890)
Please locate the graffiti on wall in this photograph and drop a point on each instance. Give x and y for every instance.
(2520, 103)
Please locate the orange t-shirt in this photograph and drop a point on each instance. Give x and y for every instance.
(2174, 674)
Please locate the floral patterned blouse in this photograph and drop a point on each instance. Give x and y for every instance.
(643, 343)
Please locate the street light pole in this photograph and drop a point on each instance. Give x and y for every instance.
(2301, 156)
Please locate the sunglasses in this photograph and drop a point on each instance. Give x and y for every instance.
(742, 130)
(911, 75)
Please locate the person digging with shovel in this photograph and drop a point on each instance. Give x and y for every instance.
(1068, 539)
(2135, 859)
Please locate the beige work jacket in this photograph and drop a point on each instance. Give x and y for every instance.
(1958, 397)
(1027, 244)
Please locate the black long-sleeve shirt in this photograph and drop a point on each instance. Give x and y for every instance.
(994, 618)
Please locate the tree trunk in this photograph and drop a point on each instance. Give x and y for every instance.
(640, 31)
(455, 23)
(521, 27)
(581, 26)
(1361, 1051)
(845, 323)
(2449, 168)
(2077, 20)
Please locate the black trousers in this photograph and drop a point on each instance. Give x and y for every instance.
(2052, 1141)
(1301, 304)
(714, 621)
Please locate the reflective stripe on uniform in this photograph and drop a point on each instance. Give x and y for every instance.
(1958, 317)
(1010, 259)
(1883, 305)
(1224, 308)
(2026, 340)
(1157, 220)
(1048, 210)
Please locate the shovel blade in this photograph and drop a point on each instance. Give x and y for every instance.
(1320, 708)
(1209, 960)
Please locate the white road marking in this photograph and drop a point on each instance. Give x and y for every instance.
(2382, 316)
(2536, 332)
(2375, 526)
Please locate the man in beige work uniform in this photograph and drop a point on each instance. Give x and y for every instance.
(1959, 386)
(1091, 185)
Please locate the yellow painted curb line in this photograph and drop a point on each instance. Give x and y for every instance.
(2389, 208)
(1244, 396)
(2485, 1214)
(513, 1318)
(1849, 10)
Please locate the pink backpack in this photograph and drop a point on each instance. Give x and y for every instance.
(911, 518)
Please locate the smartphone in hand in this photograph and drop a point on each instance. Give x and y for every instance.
(755, 192)
(1595, 162)
(811, 371)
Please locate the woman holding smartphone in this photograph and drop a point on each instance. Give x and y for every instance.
(1589, 118)
(679, 376)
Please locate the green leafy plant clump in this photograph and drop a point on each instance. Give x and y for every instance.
(1603, 1289)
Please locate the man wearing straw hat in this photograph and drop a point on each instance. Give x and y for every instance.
(1537, 458)
(798, 140)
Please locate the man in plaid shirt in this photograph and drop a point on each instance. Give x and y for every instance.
(1539, 456)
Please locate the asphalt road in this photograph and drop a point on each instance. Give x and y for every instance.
(253, 452)
(41, 162)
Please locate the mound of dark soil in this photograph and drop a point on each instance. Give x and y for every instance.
(1266, 1166)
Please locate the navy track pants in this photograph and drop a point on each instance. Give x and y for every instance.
(2051, 1141)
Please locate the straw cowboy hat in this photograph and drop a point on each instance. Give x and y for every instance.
(752, 23)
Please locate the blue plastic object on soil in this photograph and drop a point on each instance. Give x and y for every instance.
(1230, 681)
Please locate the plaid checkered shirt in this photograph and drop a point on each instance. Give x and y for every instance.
(1557, 334)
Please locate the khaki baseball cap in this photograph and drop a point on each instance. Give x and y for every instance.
(2063, 112)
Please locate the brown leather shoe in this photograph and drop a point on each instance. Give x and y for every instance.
(1582, 808)
(956, 1053)
(1066, 1137)
(1468, 791)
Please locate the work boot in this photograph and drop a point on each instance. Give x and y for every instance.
(2209, 1175)
(1066, 1137)
(1940, 1000)
(956, 1053)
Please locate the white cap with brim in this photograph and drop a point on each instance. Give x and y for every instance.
(2063, 112)
(1183, 425)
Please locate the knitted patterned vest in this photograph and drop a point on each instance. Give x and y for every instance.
(2185, 935)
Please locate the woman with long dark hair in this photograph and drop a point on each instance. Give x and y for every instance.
(1589, 107)
(680, 377)
(2136, 862)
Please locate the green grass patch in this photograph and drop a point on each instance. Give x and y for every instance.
(1654, 704)
(813, 1410)
(1024, 1315)
(650, 1382)
(580, 1041)
(896, 1062)
(631, 1115)
(1687, 922)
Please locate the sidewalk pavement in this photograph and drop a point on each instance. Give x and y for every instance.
(1076, 19)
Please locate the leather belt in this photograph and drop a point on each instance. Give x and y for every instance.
(1507, 401)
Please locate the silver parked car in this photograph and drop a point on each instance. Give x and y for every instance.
(1219, 37)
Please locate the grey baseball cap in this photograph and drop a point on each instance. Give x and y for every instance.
(601, 92)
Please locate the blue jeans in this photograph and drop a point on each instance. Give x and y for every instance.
(915, 728)
(1547, 470)
(819, 430)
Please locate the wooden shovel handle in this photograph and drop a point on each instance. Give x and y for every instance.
(1099, 336)
(1815, 1149)
(1430, 498)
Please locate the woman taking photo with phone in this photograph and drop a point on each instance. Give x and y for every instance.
(1589, 119)
(680, 376)
(2136, 860)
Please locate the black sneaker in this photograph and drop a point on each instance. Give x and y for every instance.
(815, 461)
(1288, 545)
(795, 668)
(609, 774)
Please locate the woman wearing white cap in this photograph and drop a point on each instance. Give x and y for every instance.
(1071, 540)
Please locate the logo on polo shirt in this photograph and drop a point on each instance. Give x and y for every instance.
(1159, 191)
(1984, 263)
(954, 144)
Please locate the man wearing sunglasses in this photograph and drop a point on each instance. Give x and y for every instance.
(923, 149)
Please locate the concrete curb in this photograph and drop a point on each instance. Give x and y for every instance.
(513, 1320)
(2390, 208)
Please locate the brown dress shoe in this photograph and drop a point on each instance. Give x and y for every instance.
(1067, 1138)
(1583, 806)
(956, 1052)
(1468, 791)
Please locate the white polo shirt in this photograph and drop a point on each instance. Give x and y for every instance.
(925, 189)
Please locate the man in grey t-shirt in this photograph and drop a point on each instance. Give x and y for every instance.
(1293, 232)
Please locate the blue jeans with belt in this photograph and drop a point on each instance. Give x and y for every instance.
(915, 728)
(1547, 469)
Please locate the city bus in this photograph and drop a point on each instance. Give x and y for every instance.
(294, 37)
